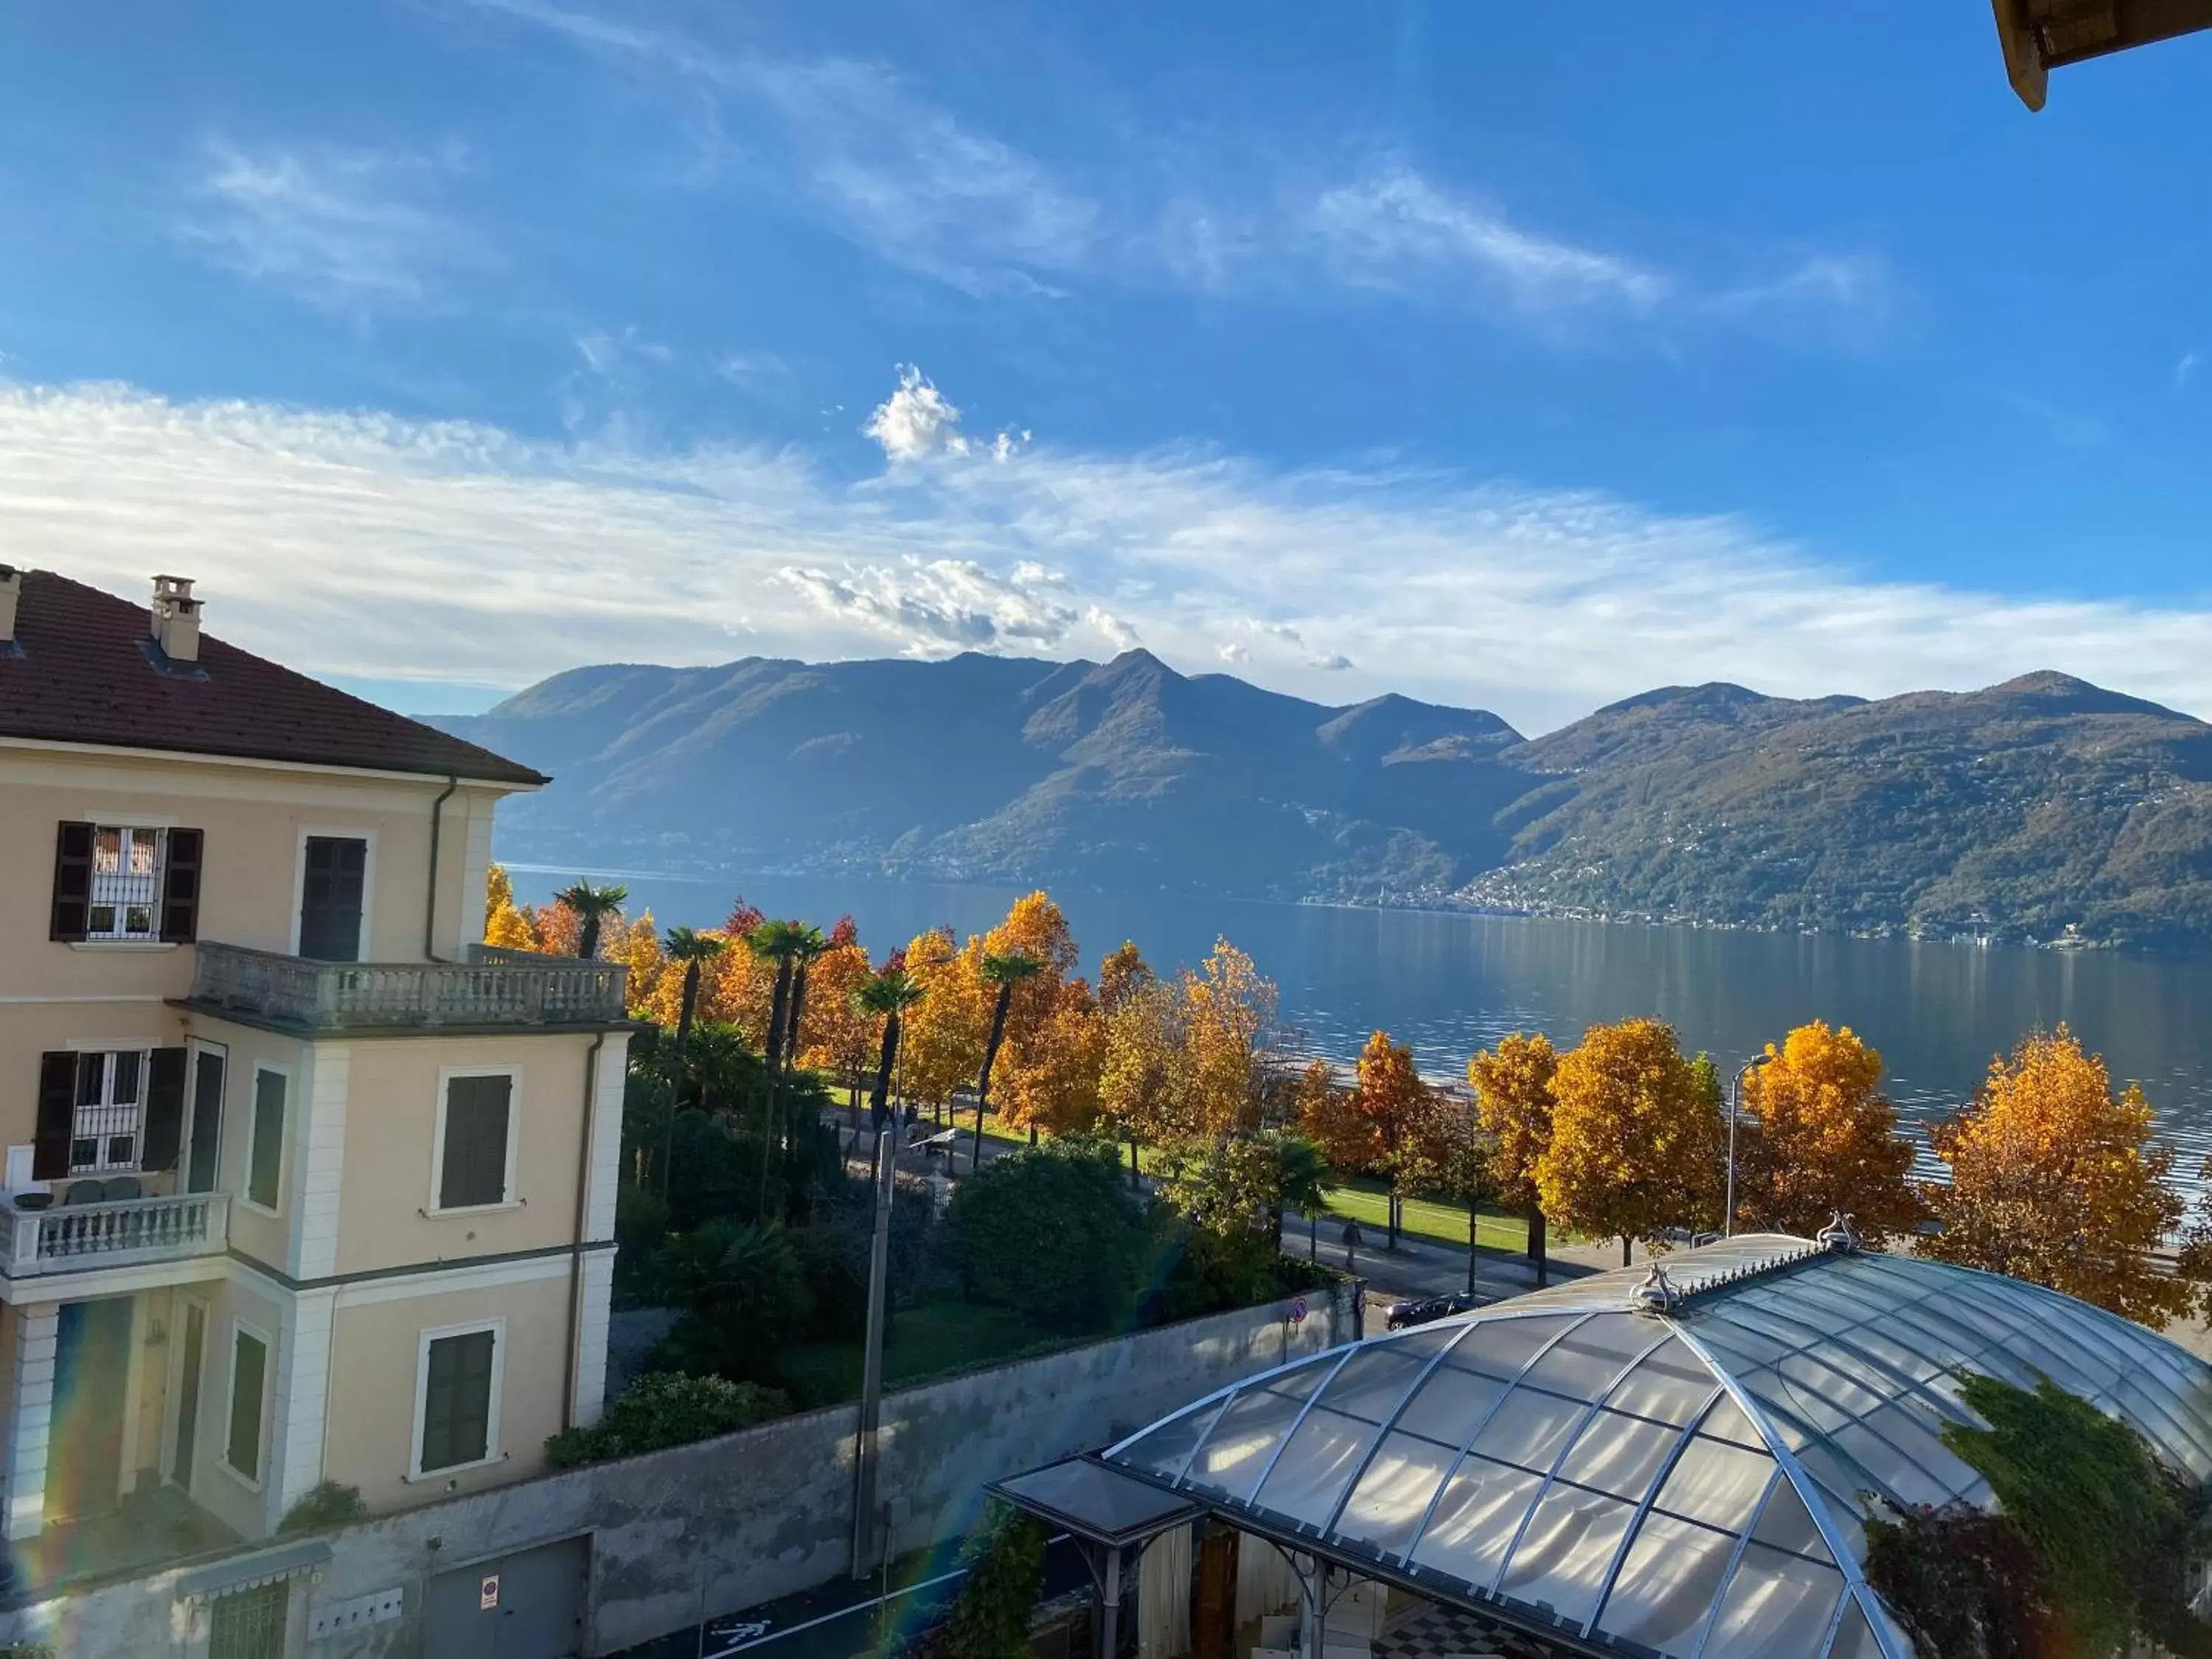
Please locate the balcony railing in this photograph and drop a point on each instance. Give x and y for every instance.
(71, 1237)
(492, 987)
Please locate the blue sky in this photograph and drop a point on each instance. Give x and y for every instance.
(1521, 357)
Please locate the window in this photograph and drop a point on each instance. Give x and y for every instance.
(266, 1153)
(475, 1142)
(249, 1624)
(111, 1092)
(457, 1399)
(333, 881)
(249, 1374)
(120, 883)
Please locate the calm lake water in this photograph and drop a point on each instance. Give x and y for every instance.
(1448, 984)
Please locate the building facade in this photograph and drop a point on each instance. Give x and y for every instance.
(302, 1182)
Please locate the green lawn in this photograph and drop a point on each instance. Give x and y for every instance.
(1364, 1200)
(925, 1341)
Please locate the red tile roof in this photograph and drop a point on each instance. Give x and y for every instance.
(84, 669)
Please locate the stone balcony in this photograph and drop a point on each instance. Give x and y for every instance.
(493, 990)
(62, 1237)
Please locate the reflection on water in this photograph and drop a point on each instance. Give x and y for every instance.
(1450, 984)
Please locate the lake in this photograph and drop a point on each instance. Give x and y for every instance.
(1448, 983)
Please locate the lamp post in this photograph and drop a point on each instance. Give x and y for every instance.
(1735, 1110)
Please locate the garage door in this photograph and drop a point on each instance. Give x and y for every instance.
(526, 1606)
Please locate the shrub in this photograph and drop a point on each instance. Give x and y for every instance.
(665, 1410)
(990, 1617)
(1053, 1232)
(325, 1504)
(744, 1295)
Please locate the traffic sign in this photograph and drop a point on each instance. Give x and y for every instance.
(1297, 1311)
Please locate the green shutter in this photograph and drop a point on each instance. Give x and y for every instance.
(249, 1368)
(267, 1160)
(456, 1400)
(474, 1166)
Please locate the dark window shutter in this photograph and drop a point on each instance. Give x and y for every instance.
(181, 889)
(331, 886)
(164, 1110)
(50, 1155)
(72, 882)
(456, 1400)
(474, 1170)
(265, 1159)
(249, 1367)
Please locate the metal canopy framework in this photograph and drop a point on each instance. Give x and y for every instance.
(1687, 1477)
(1095, 1501)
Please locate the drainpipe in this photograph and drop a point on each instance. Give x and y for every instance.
(431, 899)
(576, 1255)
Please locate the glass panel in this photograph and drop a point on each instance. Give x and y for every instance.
(1665, 1585)
(1501, 1347)
(1583, 1363)
(1899, 1356)
(1450, 1404)
(1848, 1522)
(1726, 1421)
(1529, 1429)
(1717, 1483)
(1855, 1637)
(1671, 1385)
(1311, 1476)
(1374, 1380)
(1903, 1478)
(1233, 1454)
(1562, 1559)
(1167, 1448)
(1786, 1524)
(1914, 1440)
(1762, 1316)
(1619, 1455)
(1854, 1397)
(1474, 1524)
(1802, 1400)
(1754, 1345)
(1395, 1493)
(1775, 1604)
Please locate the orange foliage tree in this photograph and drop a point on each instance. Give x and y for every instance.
(1819, 1138)
(1635, 1140)
(942, 1047)
(836, 1035)
(1137, 1065)
(1052, 1079)
(2055, 1180)
(1512, 1085)
(1227, 1007)
(1390, 1101)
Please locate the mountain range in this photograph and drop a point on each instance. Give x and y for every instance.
(2044, 809)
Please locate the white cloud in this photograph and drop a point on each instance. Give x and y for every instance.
(1394, 226)
(344, 229)
(368, 545)
(916, 420)
(2183, 370)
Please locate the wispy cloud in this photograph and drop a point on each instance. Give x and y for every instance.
(1394, 226)
(370, 545)
(2183, 370)
(345, 229)
(867, 152)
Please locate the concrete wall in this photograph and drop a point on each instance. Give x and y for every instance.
(699, 1530)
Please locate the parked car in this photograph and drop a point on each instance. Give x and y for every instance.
(1425, 1309)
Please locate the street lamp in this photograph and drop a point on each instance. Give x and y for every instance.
(1735, 1110)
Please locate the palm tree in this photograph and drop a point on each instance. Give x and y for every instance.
(790, 946)
(592, 906)
(776, 942)
(1005, 972)
(889, 994)
(693, 949)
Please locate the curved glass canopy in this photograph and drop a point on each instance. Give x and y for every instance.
(1689, 1482)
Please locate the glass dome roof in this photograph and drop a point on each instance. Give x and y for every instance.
(1689, 1482)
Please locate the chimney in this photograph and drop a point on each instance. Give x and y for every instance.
(176, 618)
(11, 589)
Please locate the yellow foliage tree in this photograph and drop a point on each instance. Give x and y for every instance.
(942, 1047)
(1512, 1085)
(1636, 1140)
(506, 925)
(1819, 1138)
(1389, 1101)
(636, 945)
(1326, 1118)
(2055, 1180)
(1121, 975)
(1052, 1081)
(1138, 1064)
(1227, 1005)
(836, 1035)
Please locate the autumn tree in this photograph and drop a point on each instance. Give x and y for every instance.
(836, 1035)
(1445, 1155)
(506, 925)
(1122, 973)
(1053, 1078)
(1818, 1138)
(636, 945)
(1512, 1085)
(1389, 1098)
(945, 1033)
(1635, 1140)
(1227, 1006)
(1137, 1065)
(2056, 1180)
(593, 907)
